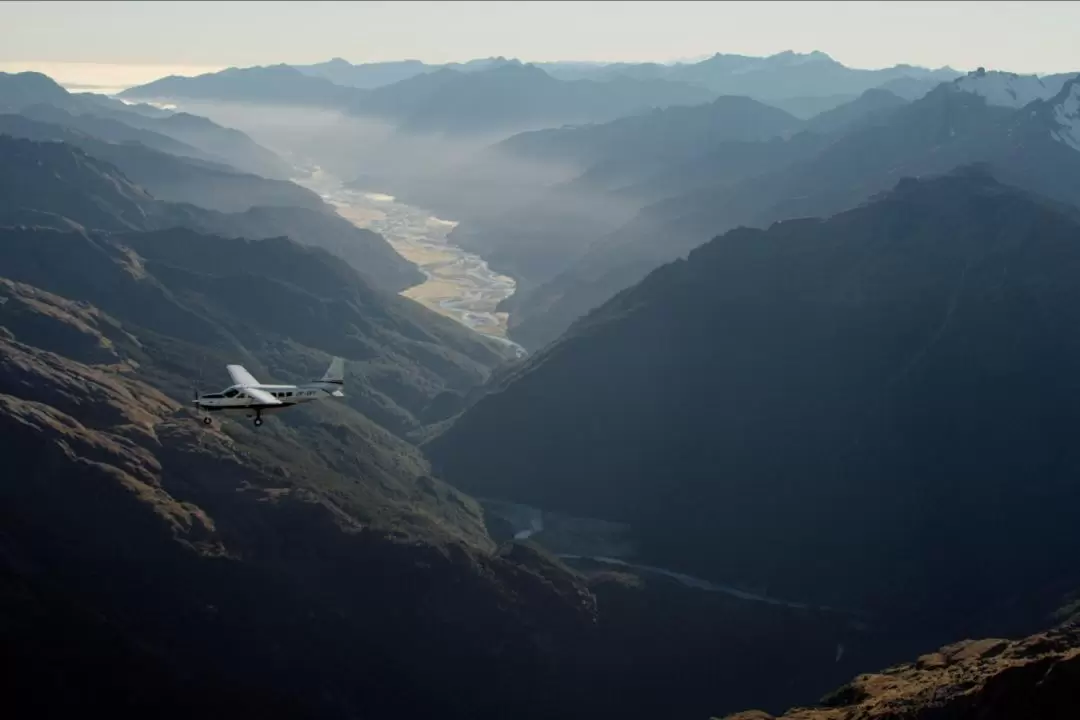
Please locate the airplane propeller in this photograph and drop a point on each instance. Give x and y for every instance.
(195, 393)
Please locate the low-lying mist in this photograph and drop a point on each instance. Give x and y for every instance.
(529, 217)
(373, 150)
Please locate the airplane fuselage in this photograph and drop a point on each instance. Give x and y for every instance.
(235, 397)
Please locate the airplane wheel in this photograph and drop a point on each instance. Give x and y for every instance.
(207, 421)
(258, 421)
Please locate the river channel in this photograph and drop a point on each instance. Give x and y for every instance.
(458, 284)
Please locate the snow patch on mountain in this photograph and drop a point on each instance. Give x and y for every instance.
(1067, 116)
(1009, 89)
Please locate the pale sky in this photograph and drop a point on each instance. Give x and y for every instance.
(189, 37)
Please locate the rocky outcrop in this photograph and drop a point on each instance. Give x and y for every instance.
(994, 679)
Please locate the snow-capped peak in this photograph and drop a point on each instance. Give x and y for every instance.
(1067, 117)
(1008, 89)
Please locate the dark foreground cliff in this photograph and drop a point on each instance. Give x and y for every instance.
(151, 566)
(875, 411)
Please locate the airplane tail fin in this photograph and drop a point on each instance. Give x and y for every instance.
(336, 372)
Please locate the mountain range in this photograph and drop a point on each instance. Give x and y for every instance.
(880, 390)
(794, 79)
(323, 529)
(57, 182)
(169, 177)
(377, 74)
(38, 96)
(501, 95)
(793, 434)
(503, 98)
(951, 126)
(536, 239)
(786, 76)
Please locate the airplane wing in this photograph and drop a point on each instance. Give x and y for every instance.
(240, 376)
(261, 396)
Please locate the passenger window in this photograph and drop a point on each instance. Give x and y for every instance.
(231, 393)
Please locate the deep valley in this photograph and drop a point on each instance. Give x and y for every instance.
(736, 387)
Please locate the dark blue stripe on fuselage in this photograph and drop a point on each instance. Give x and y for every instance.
(219, 408)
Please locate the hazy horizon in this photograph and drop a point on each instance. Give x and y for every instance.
(124, 42)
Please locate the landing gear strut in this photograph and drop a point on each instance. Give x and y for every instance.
(258, 419)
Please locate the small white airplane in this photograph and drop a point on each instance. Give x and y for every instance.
(251, 396)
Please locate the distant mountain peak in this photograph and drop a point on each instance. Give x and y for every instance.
(1067, 114)
(280, 69)
(32, 76)
(507, 66)
(27, 87)
(790, 57)
(1005, 88)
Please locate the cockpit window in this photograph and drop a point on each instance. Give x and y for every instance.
(231, 393)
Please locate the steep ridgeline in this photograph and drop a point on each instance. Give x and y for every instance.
(56, 184)
(872, 104)
(367, 252)
(116, 131)
(873, 412)
(233, 146)
(1033, 147)
(312, 568)
(171, 177)
(38, 96)
(279, 307)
